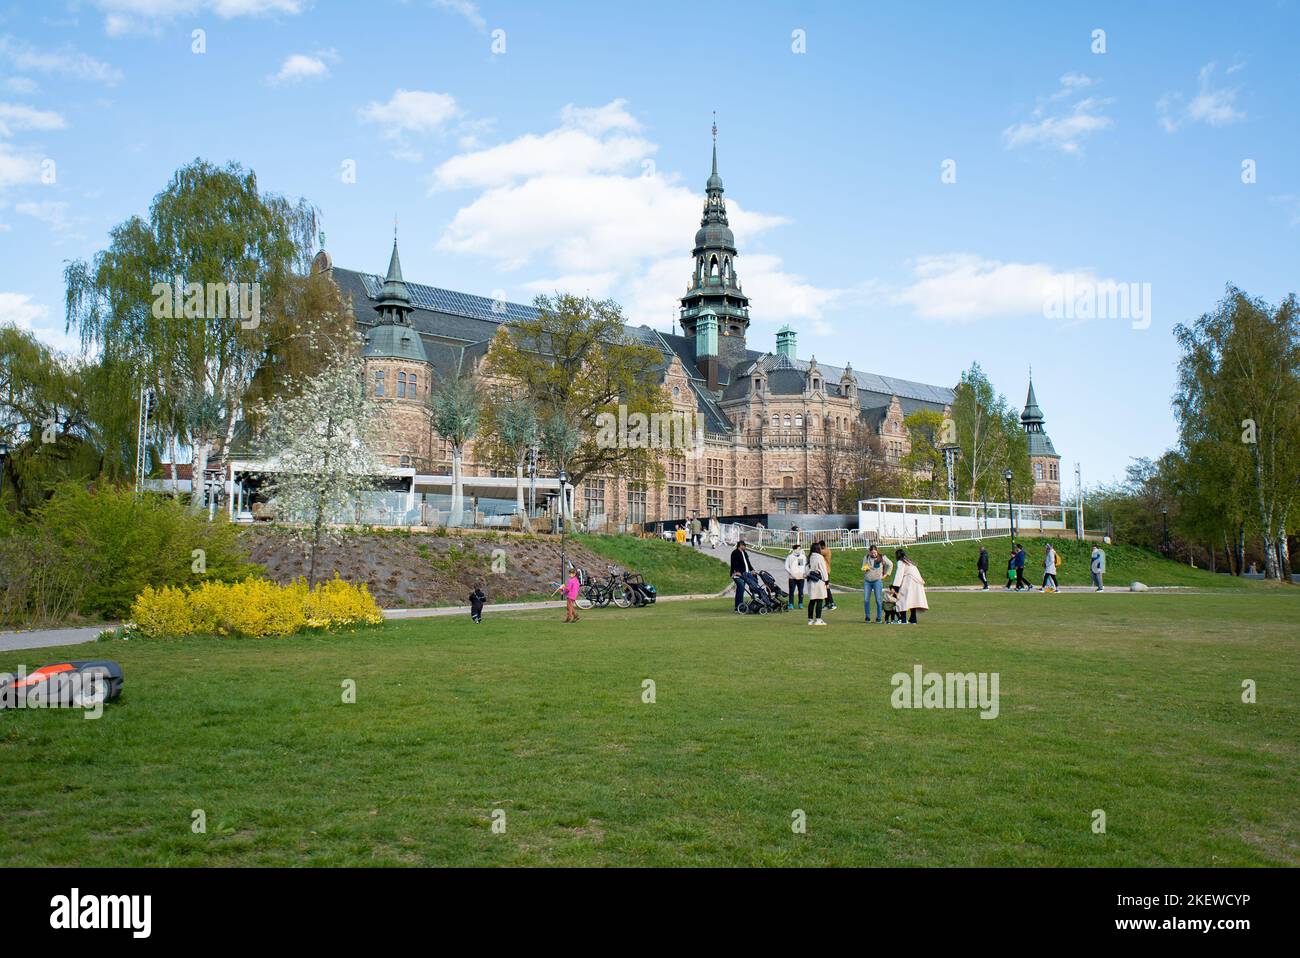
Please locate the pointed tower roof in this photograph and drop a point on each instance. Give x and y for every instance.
(714, 184)
(1032, 420)
(1032, 412)
(394, 294)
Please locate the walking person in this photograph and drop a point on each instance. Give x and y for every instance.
(696, 532)
(982, 566)
(477, 599)
(1020, 569)
(1098, 567)
(874, 569)
(742, 573)
(796, 568)
(680, 534)
(1049, 569)
(571, 589)
(911, 587)
(817, 588)
(1011, 570)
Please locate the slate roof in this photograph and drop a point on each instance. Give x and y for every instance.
(456, 328)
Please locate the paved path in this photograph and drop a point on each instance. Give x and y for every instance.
(44, 638)
(47, 638)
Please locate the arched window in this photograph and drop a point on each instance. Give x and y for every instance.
(787, 420)
(406, 462)
(401, 385)
(379, 382)
(713, 267)
(411, 385)
(677, 392)
(1038, 470)
(776, 421)
(798, 420)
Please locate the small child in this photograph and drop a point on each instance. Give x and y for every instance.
(571, 589)
(891, 605)
(476, 600)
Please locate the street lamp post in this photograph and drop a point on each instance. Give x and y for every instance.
(1011, 511)
(564, 480)
(4, 454)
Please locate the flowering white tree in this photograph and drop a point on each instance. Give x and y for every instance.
(318, 442)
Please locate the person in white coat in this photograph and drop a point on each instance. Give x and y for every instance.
(1049, 569)
(817, 573)
(910, 585)
(796, 568)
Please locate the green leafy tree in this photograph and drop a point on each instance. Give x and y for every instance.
(457, 405)
(510, 431)
(152, 302)
(575, 360)
(989, 436)
(1239, 392)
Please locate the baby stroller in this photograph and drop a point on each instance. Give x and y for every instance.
(780, 595)
(761, 600)
(643, 593)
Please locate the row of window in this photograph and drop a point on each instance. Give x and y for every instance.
(408, 384)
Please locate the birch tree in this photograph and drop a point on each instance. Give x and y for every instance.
(180, 298)
(1239, 390)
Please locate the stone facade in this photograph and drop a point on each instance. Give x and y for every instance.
(775, 425)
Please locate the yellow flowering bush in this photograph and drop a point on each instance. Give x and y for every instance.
(164, 611)
(253, 607)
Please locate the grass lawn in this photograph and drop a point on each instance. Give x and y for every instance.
(1126, 703)
(954, 564)
(672, 568)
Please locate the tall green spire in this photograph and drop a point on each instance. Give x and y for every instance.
(394, 299)
(714, 288)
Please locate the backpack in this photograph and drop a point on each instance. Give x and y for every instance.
(1059, 561)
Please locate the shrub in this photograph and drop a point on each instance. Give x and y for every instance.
(91, 552)
(253, 607)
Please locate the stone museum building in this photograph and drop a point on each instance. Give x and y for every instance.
(767, 412)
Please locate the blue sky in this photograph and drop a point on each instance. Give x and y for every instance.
(574, 155)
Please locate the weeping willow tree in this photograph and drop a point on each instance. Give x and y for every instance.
(208, 293)
(63, 418)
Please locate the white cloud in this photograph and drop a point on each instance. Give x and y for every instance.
(23, 86)
(964, 287)
(299, 66)
(1214, 107)
(466, 9)
(15, 116)
(17, 168)
(411, 111)
(134, 16)
(580, 204)
(575, 147)
(65, 62)
(1065, 128)
(53, 213)
(18, 309)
